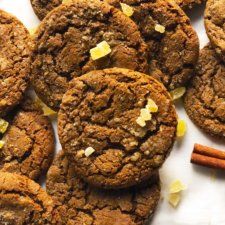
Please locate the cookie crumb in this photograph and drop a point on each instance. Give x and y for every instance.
(3, 125)
(151, 106)
(1, 144)
(135, 157)
(177, 93)
(89, 151)
(181, 128)
(159, 28)
(101, 50)
(127, 10)
(147, 152)
(140, 121)
(80, 153)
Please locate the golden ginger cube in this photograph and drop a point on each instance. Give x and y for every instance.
(101, 50)
(151, 106)
(159, 28)
(176, 186)
(3, 126)
(177, 93)
(181, 128)
(126, 9)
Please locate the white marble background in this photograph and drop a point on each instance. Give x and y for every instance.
(203, 202)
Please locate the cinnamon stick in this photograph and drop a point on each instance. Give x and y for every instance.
(207, 156)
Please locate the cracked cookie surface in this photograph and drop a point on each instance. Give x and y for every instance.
(28, 142)
(173, 52)
(43, 7)
(204, 100)
(100, 110)
(78, 203)
(65, 37)
(189, 4)
(215, 25)
(14, 61)
(23, 201)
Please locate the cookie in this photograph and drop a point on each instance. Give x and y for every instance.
(65, 38)
(28, 142)
(101, 111)
(188, 4)
(205, 98)
(43, 7)
(215, 25)
(23, 201)
(78, 203)
(173, 45)
(14, 61)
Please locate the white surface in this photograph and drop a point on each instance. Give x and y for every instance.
(203, 203)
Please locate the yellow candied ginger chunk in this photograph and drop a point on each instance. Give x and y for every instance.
(174, 199)
(126, 9)
(32, 31)
(46, 110)
(145, 114)
(140, 121)
(175, 189)
(176, 186)
(101, 50)
(89, 151)
(2, 144)
(177, 93)
(181, 128)
(3, 126)
(159, 28)
(151, 106)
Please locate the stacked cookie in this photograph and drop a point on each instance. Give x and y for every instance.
(107, 73)
(26, 135)
(204, 100)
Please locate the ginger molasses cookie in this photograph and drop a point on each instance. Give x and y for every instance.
(117, 125)
(173, 45)
(23, 201)
(205, 98)
(78, 203)
(14, 61)
(215, 25)
(79, 37)
(27, 141)
(43, 7)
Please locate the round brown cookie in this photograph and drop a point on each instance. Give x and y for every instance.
(174, 52)
(28, 142)
(43, 7)
(64, 40)
(23, 201)
(215, 25)
(188, 4)
(205, 98)
(100, 110)
(77, 203)
(14, 61)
